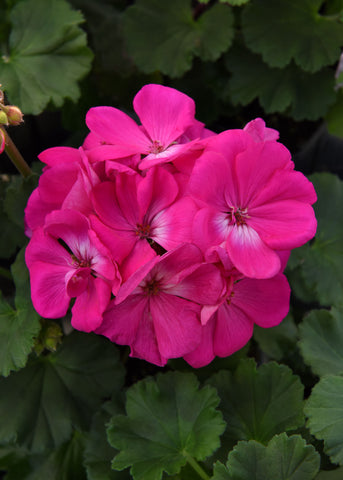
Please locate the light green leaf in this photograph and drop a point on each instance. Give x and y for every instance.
(284, 458)
(168, 420)
(288, 90)
(281, 31)
(322, 265)
(61, 390)
(324, 410)
(47, 55)
(321, 340)
(258, 403)
(164, 35)
(19, 327)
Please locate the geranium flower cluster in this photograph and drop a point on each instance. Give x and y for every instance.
(165, 236)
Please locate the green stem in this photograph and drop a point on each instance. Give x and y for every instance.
(16, 156)
(194, 464)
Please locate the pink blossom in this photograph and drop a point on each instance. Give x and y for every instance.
(168, 128)
(157, 309)
(66, 260)
(145, 213)
(254, 203)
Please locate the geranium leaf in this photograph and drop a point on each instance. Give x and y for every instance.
(284, 458)
(17, 194)
(321, 339)
(47, 55)
(288, 90)
(235, 3)
(331, 474)
(258, 403)
(278, 341)
(281, 31)
(18, 327)
(322, 263)
(324, 409)
(334, 117)
(164, 36)
(61, 390)
(168, 420)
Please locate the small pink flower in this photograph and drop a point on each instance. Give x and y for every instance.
(254, 203)
(66, 260)
(157, 310)
(168, 128)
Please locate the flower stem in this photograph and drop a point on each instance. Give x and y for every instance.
(16, 156)
(194, 464)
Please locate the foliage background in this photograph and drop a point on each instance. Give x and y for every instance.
(238, 59)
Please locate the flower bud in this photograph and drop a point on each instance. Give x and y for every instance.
(3, 118)
(14, 115)
(2, 141)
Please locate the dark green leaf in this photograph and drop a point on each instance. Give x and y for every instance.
(322, 265)
(277, 342)
(48, 54)
(324, 409)
(321, 340)
(164, 36)
(17, 194)
(281, 31)
(331, 474)
(19, 327)
(168, 420)
(61, 390)
(334, 117)
(288, 90)
(258, 403)
(284, 458)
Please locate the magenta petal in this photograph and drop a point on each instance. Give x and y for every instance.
(164, 112)
(115, 127)
(203, 354)
(110, 152)
(58, 155)
(36, 210)
(265, 302)
(89, 306)
(259, 132)
(55, 183)
(177, 325)
(250, 255)
(77, 281)
(48, 290)
(233, 330)
(283, 225)
(43, 248)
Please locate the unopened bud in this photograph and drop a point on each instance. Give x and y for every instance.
(3, 118)
(14, 115)
(2, 141)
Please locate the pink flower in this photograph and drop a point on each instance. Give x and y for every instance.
(229, 325)
(254, 203)
(157, 310)
(66, 260)
(145, 213)
(168, 128)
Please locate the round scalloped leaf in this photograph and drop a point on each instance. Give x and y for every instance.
(284, 458)
(321, 340)
(322, 263)
(47, 56)
(61, 391)
(324, 409)
(164, 36)
(336, 474)
(281, 31)
(258, 403)
(168, 421)
(287, 90)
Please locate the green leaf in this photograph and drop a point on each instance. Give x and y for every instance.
(15, 462)
(164, 36)
(279, 341)
(168, 421)
(331, 474)
(98, 453)
(235, 3)
(288, 90)
(17, 194)
(19, 327)
(321, 339)
(281, 31)
(284, 458)
(47, 55)
(61, 390)
(258, 403)
(334, 117)
(322, 265)
(324, 409)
